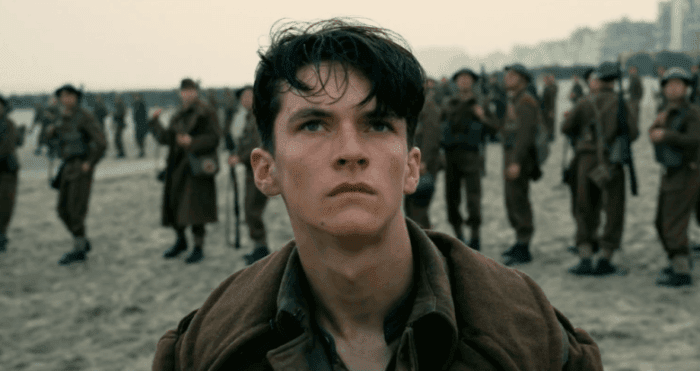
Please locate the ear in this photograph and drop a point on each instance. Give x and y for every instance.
(412, 171)
(265, 172)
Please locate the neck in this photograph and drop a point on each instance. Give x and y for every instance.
(355, 288)
(515, 90)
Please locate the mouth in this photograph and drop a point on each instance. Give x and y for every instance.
(352, 187)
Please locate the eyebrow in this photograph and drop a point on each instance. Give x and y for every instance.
(307, 113)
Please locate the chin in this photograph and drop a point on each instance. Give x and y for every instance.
(353, 223)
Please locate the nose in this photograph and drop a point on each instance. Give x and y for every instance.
(350, 153)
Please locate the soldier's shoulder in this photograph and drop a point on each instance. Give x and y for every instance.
(694, 110)
(89, 116)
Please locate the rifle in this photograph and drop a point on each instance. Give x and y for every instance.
(232, 188)
(623, 133)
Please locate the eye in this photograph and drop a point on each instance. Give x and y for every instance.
(311, 126)
(382, 126)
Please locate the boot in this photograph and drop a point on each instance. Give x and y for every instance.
(195, 256)
(583, 268)
(257, 254)
(80, 248)
(179, 246)
(674, 280)
(605, 268)
(518, 254)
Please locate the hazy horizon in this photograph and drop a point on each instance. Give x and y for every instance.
(152, 44)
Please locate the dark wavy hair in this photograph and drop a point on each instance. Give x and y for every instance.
(380, 55)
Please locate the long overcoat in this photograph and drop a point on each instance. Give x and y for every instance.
(188, 200)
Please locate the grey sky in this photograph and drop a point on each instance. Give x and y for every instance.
(153, 44)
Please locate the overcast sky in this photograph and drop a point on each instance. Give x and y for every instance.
(130, 44)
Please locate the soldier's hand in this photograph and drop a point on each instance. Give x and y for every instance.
(479, 111)
(50, 129)
(86, 166)
(661, 117)
(657, 135)
(233, 160)
(184, 140)
(566, 114)
(513, 171)
(157, 113)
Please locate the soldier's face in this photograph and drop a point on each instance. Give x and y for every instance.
(674, 89)
(188, 96)
(512, 80)
(465, 82)
(341, 169)
(68, 99)
(247, 99)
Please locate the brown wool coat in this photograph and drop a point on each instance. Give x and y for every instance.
(505, 321)
(188, 200)
(521, 119)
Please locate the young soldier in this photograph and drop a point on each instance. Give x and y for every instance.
(601, 107)
(119, 125)
(254, 201)
(463, 141)
(636, 90)
(140, 123)
(676, 137)
(9, 167)
(100, 112)
(188, 199)
(361, 287)
(576, 91)
(427, 139)
(81, 144)
(549, 103)
(519, 161)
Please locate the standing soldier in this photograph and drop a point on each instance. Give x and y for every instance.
(576, 91)
(81, 144)
(230, 110)
(463, 139)
(43, 117)
(676, 137)
(100, 111)
(427, 139)
(9, 167)
(140, 123)
(189, 196)
(595, 122)
(254, 200)
(519, 160)
(119, 125)
(549, 103)
(636, 90)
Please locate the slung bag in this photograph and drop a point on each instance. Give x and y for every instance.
(204, 165)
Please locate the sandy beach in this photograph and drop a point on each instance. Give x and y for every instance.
(108, 313)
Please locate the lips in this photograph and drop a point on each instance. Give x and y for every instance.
(352, 187)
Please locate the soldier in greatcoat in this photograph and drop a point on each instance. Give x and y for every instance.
(100, 111)
(576, 91)
(466, 125)
(591, 198)
(119, 125)
(140, 123)
(676, 137)
(519, 160)
(189, 199)
(427, 139)
(549, 104)
(81, 144)
(254, 201)
(636, 90)
(9, 167)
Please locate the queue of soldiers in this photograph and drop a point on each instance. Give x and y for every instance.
(458, 119)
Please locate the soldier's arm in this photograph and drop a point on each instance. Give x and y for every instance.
(209, 139)
(164, 136)
(97, 143)
(688, 139)
(527, 113)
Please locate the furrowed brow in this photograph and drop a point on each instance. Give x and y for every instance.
(307, 113)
